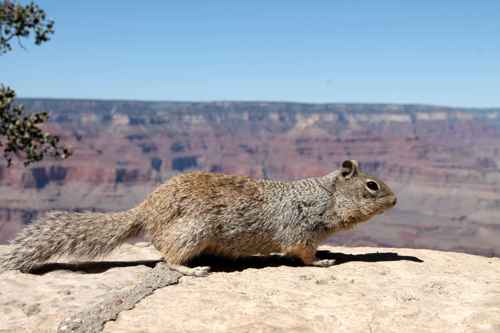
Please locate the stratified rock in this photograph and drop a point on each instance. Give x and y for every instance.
(443, 163)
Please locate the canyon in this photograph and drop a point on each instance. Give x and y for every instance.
(442, 162)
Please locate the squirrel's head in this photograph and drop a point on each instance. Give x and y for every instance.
(357, 196)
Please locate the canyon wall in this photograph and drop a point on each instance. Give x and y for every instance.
(442, 162)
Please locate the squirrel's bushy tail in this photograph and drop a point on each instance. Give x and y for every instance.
(59, 233)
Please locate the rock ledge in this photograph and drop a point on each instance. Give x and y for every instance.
(369, 290)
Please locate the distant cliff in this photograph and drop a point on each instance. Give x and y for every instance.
(443, 162)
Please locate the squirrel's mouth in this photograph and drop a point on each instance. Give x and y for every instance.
(388, 204)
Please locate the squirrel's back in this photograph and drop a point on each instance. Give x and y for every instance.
(205, 212)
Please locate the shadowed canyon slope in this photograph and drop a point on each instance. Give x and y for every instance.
(442, 162)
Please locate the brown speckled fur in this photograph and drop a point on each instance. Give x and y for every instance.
(202, 212)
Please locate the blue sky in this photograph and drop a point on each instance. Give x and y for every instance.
(432, 52)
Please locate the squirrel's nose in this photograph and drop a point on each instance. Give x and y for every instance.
(394, 201)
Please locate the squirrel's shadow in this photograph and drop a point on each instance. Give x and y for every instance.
(221, 264)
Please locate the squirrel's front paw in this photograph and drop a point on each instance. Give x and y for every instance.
(324, 263)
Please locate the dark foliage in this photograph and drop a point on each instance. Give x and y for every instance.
(20, 134)
(18, 21)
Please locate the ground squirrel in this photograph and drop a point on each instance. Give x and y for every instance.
(199, 212)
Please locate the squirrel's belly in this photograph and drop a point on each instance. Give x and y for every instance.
(243, 244)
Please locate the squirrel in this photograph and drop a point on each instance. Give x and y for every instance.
(210, 213)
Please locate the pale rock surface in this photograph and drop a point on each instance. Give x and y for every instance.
(370, 290)
(37, 303)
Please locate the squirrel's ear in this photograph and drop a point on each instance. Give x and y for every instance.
(349, 169)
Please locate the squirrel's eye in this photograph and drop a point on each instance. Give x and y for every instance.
(372, 185)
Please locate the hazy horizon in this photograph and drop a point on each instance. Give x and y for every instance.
(253, 101)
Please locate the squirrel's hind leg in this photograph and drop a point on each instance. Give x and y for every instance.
(176, 259)
(198, 271)
(178, 245)
(308, 256)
